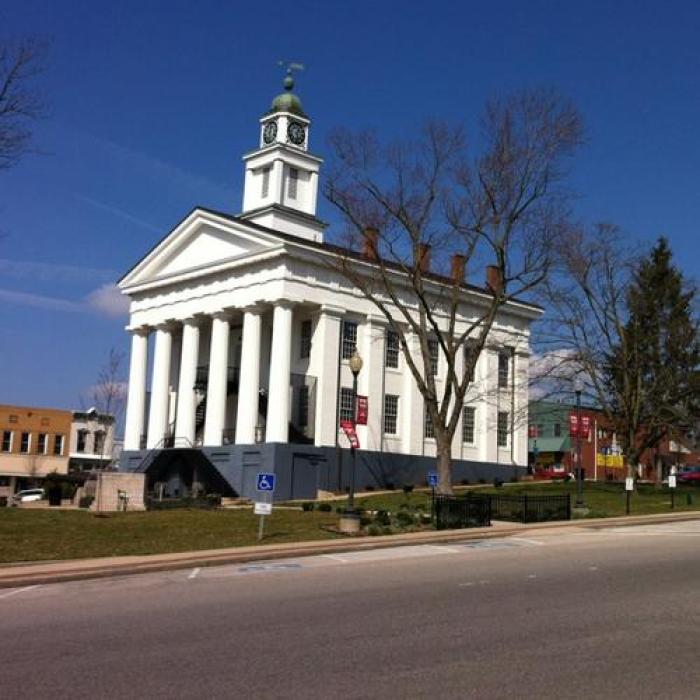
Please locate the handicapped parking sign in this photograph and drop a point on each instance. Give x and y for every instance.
(432, 478)
(266, 482)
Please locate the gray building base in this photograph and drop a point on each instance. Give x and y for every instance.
(302, 470)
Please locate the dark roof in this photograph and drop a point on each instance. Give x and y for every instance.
(331, 248)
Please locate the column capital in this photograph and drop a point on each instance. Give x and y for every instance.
(139, 330)
(256, 307)
(331, 310)
(194, 320)
(221, 315)
(168, 325)
(285, 303)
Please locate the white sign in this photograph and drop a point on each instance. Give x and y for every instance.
(629, 483)
(263, 508)
(672, 481)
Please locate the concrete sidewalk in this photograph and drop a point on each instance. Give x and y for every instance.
(25, 574)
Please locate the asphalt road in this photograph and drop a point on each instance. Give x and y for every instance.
(575, 614)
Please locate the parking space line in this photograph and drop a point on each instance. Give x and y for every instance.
(194, 573)
(19, 590)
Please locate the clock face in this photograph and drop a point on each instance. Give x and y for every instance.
(296, 133)
(269, 132)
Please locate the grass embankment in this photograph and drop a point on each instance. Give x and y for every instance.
(34, 535)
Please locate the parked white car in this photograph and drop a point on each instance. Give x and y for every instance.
(27, 496)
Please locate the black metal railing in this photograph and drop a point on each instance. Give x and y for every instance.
(453, 512)
(202, 378)
(530, 508)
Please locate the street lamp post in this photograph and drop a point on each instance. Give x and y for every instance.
(579, 465)
(355, 363)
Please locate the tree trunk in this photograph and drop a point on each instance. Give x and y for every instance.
(444, 465)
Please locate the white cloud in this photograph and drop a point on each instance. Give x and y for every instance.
(40, 302)
(108, 300)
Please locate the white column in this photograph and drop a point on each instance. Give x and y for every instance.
(160, 394)
(277, 428)
(136, 402)
(371, 380)
(215, 418)
(249, 384)
(186, 397)
(323, 363)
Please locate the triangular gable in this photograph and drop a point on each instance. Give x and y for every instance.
(203, 239)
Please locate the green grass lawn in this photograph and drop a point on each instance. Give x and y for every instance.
(35, 535)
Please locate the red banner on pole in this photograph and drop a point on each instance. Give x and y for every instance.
(532, 431)
(573, 425)
(585, 427)
(349, 430)
(362, 408)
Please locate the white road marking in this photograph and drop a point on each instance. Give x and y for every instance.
(19, 590)
(526, 540)
(593, 568)
(468, 583)
(443, 548)
(532, 575)
(194, 573)
(335, 557)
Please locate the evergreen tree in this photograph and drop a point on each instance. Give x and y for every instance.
(653, 370)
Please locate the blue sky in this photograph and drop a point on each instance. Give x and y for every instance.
(153, 103)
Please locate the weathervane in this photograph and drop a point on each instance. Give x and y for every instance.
(289, 76)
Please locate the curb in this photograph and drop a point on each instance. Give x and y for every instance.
(18, 574)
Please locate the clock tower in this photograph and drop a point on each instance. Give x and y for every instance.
(281, 177)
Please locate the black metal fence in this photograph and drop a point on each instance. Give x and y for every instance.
(477, 509)
(453, 512)
(530, 508)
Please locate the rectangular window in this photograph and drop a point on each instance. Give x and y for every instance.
(391, 352)
(42, 446)
(305, 349)
(434, 349)
(293, 183)
(7, 441)
(557, 430)
(502, 429)
(391, 413)
(82, 439)
(25, 443)
(13, 419)
(503, 368)
(99, 442)
(58, 444)
(349, 339)
(468, 425)
(428, 428)
(265, 182)
(469, 352)
(346, 405)
(303, 406)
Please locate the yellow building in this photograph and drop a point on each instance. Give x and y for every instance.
(34, 443)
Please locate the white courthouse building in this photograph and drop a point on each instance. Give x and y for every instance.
(247, 331)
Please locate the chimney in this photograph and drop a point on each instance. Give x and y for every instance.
(424, 257)
(458, 263)
(370, 242)
(494, 280)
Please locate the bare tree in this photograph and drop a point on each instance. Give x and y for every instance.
(20, 103)
(422, 208)
(109, 394)
(640, 368)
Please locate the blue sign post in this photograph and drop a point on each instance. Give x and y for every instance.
(433, 480)
(265, 483)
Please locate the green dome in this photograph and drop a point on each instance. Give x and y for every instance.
(287, 102)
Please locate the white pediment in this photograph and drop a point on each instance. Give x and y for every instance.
(201, 243)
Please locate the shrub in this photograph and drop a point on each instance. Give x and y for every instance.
(482, 480)
(307, 506)
(382, 518)
(365, 520)
(85, 501)
(498, 482)
(465, 482)
(325, 507)
(514, 479)
(369, 487)
(407, 488)
(404, 518)
(374, 530)
(390, 486)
